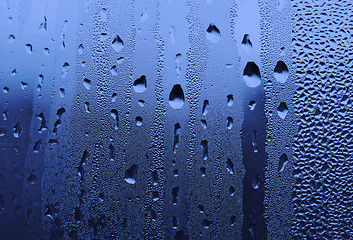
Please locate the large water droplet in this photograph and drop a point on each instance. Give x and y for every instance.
(117, 44)
(282, 110)
(251, 75)
(213, 34)
(281, 72)
(114, 114)
(283, 160)
(176, 97)
(246, 43)
(204, 146)
(205, 107)
(140, 84)
(131, 174)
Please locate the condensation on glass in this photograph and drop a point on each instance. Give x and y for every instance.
(176, 119)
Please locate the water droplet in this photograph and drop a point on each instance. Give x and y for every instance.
(175, 223)
(114, 114)
(232, 221)
(252, 105)
(230, 100)
(204, 147)
(254, 141)
(117, 44)
(229, 123)
(112, 152)
(29, 48)
(104, 15)
(251, 75)
(87, 107)
(120, 60)
(43, 125)
(231, 191)
(206, 223)
(256, 181)
(32, 179)
(139, 121)
(246, 43)
(103, 37)
(114, 70)
(87, 83)
(155, 177)
(83, 161)
(37, 146)
(46, 51)
(131, 174)
(62, 92)
(80, 49)
(141, 103)
(205, 107)
(65, 69)
(203, 123)
(230, 166)
(140, 84)
(176, 97)
(283, 160)
(203, 171)
(281, 72)
(176, 137)
(201, 209)
(282, 110)
(155, 196)
(24, 85)
(17, 130)
(213, 34)
(175, 195)
(114, 97)
(101, 197)
(10, 39)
